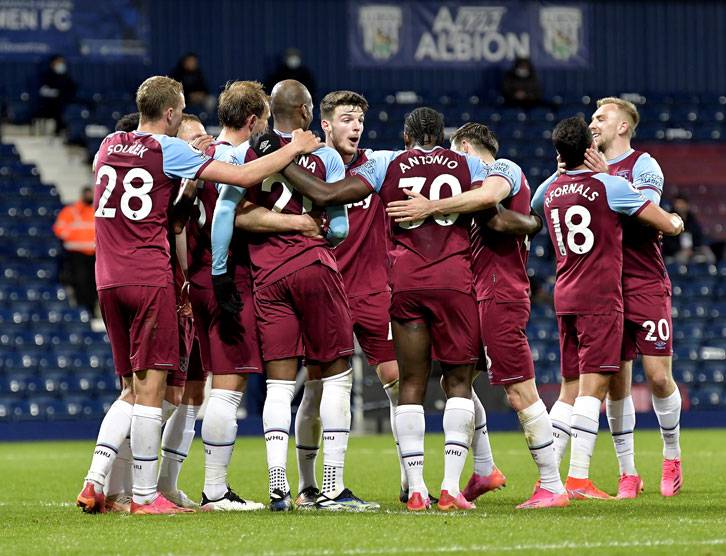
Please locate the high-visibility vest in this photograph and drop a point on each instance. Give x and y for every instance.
(75, 227)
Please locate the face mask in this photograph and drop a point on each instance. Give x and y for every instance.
(521, 73)
(59, 68)
(87, 201)
(293, 62)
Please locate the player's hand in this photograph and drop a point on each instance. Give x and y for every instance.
(202, 142)
(184, 308)
(416, 207)
(561, 168)
(265, 143)
(678, 223)
(311, 225)
(305, 141)
(595, 161)
(225, 291)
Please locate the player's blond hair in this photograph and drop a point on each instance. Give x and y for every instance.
(341, 98)
(627, 109)
(155, 95)
(239, 101)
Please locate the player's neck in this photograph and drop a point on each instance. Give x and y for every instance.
(347, 158)
(578, 168)
(286, 126)
(234, 136)
(158, 127)
(617, 149)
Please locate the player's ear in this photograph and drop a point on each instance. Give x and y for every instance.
(407, 140)
(251, 122)
(325, 124)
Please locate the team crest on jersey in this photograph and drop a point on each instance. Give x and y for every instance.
(561, 26)
(183, 364)
(380, 26)
(197, 151)
(623, 174)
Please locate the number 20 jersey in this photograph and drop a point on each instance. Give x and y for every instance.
(582, 212)
(137, 179)
(435, 253)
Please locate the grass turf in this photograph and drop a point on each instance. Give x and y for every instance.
(40, 481)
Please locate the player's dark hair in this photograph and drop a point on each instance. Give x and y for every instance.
(239, 101)
(191, 118)
(341, 98)
(425, 125)
(571, 138)
(129, 122)
(478, 135)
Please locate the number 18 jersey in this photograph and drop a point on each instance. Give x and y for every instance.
(582, 213)
(434, 253)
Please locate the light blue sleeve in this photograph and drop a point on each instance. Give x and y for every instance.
(373, 170)
(337, 225)
(538, 198)
(622, 195)
(510, 172)
(181, 159)
(477, 169)
(648, 178)
(334, 166)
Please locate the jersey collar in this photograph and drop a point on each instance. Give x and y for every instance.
(281, 134)
(575, 172)
(621, 157)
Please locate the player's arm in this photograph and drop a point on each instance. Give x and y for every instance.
(648, 178)
(257, 219)
(624, 198)
(506, 221)
(667, 222)
(322, 193)
(183, 205)
(254, 172)
(225, 290)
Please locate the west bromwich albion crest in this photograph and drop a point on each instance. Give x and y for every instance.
(561, 27)
(380, 26)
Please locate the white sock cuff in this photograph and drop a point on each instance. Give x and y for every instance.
(671, 403)
(587, 406)
(460, 403)
(281, 388)
(147, 411)
(124, 407)
(167, 410)
(345, 375)
(189, 410)
(409, 408)
(231, 397)
(314, 385)
(534, 411)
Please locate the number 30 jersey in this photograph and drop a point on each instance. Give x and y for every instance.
(434, 253)
(137, 179)
(582, 212)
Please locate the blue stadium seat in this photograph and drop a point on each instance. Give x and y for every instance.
(6, 408)
(688, 351)
(684, 371)
(709, 397)
(689, 330)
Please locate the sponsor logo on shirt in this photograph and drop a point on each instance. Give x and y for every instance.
(623, 174)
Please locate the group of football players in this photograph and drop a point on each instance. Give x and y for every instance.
(258, 248)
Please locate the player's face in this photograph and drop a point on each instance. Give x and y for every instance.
(190, 130)
(346, 128)
(176, 117)
(604, 126)
(261, 124)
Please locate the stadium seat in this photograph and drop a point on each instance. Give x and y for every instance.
(709, 397)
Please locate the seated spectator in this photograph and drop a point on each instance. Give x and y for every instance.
(188, 73)
(692, 245)
(57, 89)
(291, 67)
(520, 85)
(75, 227)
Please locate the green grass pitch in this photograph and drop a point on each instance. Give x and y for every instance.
(39, 482)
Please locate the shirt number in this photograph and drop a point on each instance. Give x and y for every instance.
(417, 185)
(130, 192)
(286, 195)
(573, 230)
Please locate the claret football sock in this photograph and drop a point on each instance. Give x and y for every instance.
(481, 449)
(585, 424)
(458, 430)
(560, 417)
(145, 440)
(621, 418)
(276, 417)
(335, 417)
(538, 433)
(114, 430)
(391, 390)
(411, 427)
(308, 433)
(668, 411)
(219, 431)
(176, 442)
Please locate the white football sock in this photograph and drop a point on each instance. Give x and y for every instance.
(458, 431)
(276, 417)
(335, 417)
(481, 450)
(308, 431)
(167, 410)
(175, 444)
(560, 417)
(145, 440)
(119, 481)
(538, 433)
(585, 424)
(219, 431)
(621, 419)
(114, 430)
(668, 411)
(411, 427)
(391, 390)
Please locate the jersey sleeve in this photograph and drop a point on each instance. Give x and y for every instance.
(648, 178)
(334, 166)
(622, 196)
(538, 198)
(373, 170)
(181, 159)
(477, 169)
(510, 172)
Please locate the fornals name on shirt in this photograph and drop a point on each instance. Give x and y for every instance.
(136, 149)
(428, 159)
(570, 189)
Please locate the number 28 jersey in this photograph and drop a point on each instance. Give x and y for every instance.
(434, 253)
(137, 179)
(582, 212)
